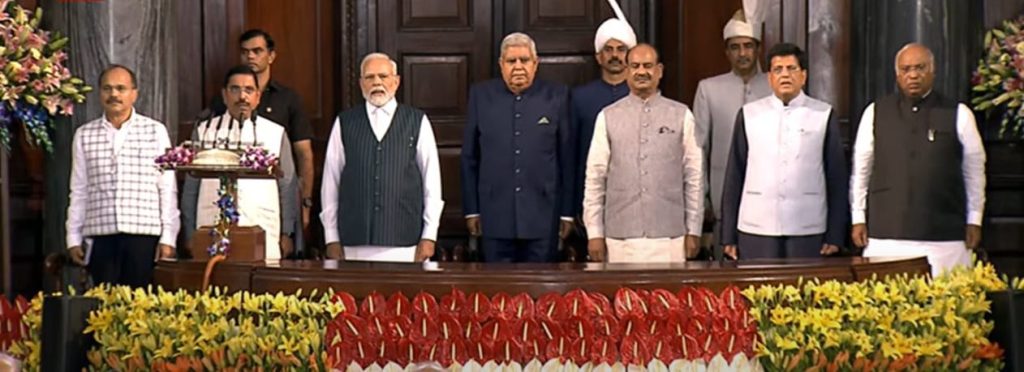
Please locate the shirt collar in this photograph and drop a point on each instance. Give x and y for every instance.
(797, 101)
(131, 116)
(388, 108)
(650, 99)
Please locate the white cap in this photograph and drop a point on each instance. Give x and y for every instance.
(738, 26)
(614, 28)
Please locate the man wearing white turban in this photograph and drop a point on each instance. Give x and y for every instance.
(719, 98)
(613, 39)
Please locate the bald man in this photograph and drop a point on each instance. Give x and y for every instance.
(928, 196)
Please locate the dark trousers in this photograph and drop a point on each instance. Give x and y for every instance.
(757, 246)
(123, 259)
(518, 250)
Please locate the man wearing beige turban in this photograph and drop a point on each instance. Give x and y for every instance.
(719, 98)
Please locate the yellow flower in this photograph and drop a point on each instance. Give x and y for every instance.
(781, 315)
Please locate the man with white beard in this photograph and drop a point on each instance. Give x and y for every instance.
(381, 191)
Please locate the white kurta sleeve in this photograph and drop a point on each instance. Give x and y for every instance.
(972, 164)
(334, 162)
(596, 177)
(693, 178)
(863, 160)
(430, 170)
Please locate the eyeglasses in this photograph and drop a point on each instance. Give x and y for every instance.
(792, 69)
(920, 68)
(237, 90)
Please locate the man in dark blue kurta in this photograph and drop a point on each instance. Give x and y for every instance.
(613, 39)
(518, 160)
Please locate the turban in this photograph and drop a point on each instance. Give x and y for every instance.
(614, 28)
(738, 26)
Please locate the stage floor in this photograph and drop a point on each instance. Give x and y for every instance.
(362, 278)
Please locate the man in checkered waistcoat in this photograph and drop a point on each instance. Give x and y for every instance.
(119, 199)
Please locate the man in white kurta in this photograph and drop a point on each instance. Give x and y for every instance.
(720, 97)
(643, 197)
(925, 195)
(260, 202)
(381, 191)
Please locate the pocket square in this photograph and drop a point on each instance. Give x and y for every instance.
(543, 121)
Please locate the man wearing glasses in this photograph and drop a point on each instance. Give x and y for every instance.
(785, 191)
(261, 202)
(381, 189)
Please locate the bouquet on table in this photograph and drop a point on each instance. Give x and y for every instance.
(998, 84)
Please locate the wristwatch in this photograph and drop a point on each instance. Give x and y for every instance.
(307, 202)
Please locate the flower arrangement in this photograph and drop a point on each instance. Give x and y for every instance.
(694, 328)
(228, 216)
(20, 325)
(998, 84)
(175, 157)
(259, 159)
(35, 84)
(899, 323)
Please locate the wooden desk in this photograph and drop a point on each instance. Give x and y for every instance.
(361, 278)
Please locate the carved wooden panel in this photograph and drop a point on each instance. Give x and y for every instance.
(449, 14)
(436, 84)
(571, 70)
(560, 15)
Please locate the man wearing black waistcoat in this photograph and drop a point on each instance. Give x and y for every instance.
(926, 195)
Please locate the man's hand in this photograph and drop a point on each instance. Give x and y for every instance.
(305, 218)
(165, 251)
(973, 237)
(692, 245)
(829, 249)
(287, 246)
(424, 250)
(335, 252)
(564, 229)
(730, 251)
(473, 224)
(77, 255)
(859, 234)
(597, 249)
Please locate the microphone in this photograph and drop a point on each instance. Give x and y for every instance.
(208, 115)
(216, 131)
(254, 141)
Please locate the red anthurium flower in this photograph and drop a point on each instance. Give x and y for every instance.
(686, 347)
(634, 326)
(400, 327)
(424, 330)
(722, 324)
(338, 357)
(628, 301)
(607, 326)
(676, 324)
(496, 330)
(664, 351)
(730, 343)
(523, 306)
(551, 306)
(399, 305)
(507, 351)
(348, 303)
(534, 349)
(601, 304)
(351, 327)
(373, 304)
(604, 350)
(578, 327)
(698, 326)
(709, 301)
(656, 328)
(578, 304)
(559, 349)
(710, 346)
(387, 351)
(477, 309)
(480, 351)
(425, 303)
(552, 329)
(363, 352)
(580, 350)
(633, 350)
(662, 303)
(431, 351)
(527, 330)
(455, 351)
(502, 306)
(452, 303)
(733, 299)
(407, 352)
(379, 328)
(449, 327)
(471, 331)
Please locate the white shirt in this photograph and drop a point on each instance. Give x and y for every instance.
(972, 165)
(426, 160)
(167, 187)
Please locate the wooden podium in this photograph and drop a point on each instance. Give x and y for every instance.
(248, 243)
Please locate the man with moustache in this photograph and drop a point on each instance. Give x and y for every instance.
(281, 105)
(719, 98)
(644, 190)
(381, 189)
(928, 195)
(117, 197)
(260, 202)
(517, 160)
(785, 189)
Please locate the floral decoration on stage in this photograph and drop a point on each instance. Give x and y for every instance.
(658, 330)
(998, 82)
(175, 157)
(14, 325)
(259, 159)
(227, 217)
(35, 84)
